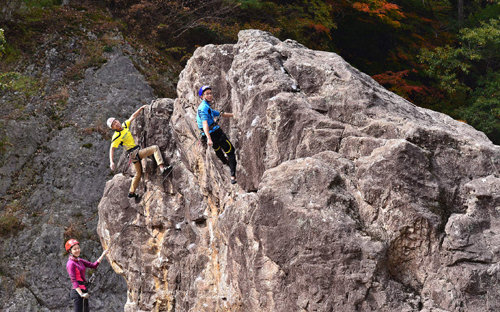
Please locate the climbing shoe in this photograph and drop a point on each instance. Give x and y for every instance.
(133, 195)
(233, 180)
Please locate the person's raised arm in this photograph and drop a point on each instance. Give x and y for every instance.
(137, 112)
(102, 256)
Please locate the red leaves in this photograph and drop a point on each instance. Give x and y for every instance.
(397, 82)
(320, 28)
(386, 11)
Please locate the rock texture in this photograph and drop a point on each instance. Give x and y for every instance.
(54, 170)
(349, 197)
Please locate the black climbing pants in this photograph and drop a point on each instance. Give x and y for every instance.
(79, 304)
(222, 146)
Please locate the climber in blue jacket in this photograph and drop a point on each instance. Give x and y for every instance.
(212, 134)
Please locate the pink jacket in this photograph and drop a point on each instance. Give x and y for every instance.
(76, 270)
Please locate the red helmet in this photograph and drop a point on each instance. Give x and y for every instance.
(70, 243)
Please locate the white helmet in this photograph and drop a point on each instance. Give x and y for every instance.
(110, 121)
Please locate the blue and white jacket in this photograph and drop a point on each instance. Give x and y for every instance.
(205, 112)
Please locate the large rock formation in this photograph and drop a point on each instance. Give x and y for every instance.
(349, 197)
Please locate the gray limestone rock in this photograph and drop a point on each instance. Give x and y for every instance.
(349, 198)
(56, 165)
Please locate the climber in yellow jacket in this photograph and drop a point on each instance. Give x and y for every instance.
(123, 136)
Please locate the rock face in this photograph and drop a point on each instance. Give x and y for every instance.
(60, 173)
(349, 198)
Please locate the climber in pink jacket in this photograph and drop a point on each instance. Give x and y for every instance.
(76, 270)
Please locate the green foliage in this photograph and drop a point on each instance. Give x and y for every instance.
(400, 43)
(477, 50)
(40, 18)
(307, 21)
(11, 55)
(482, 43)
(171, 23)
(484, 112)
(17, 82)
(488, 12)
(90, 56)
(469, 73)
(253, 4)
(4, 144)
(446, 65)
(3, 42)
(9, 221)
(42, 3)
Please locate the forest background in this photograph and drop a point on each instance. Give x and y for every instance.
(439, 54)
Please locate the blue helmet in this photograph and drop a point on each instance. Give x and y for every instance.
(203, 89)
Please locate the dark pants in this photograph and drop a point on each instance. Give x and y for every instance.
(79, 304)
(222, 146)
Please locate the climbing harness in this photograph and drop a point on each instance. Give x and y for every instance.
(133, 153)
(215, 122)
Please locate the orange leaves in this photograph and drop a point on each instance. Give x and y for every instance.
(363, 7)
(397, 82)
(386, 11)
(393, 78)
(320, 28)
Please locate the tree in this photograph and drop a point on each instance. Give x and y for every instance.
(171, 23)
(468, 72)
(484, 112)
(457, 67)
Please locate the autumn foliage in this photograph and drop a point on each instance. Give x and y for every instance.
(439, 54)
(387, 12)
